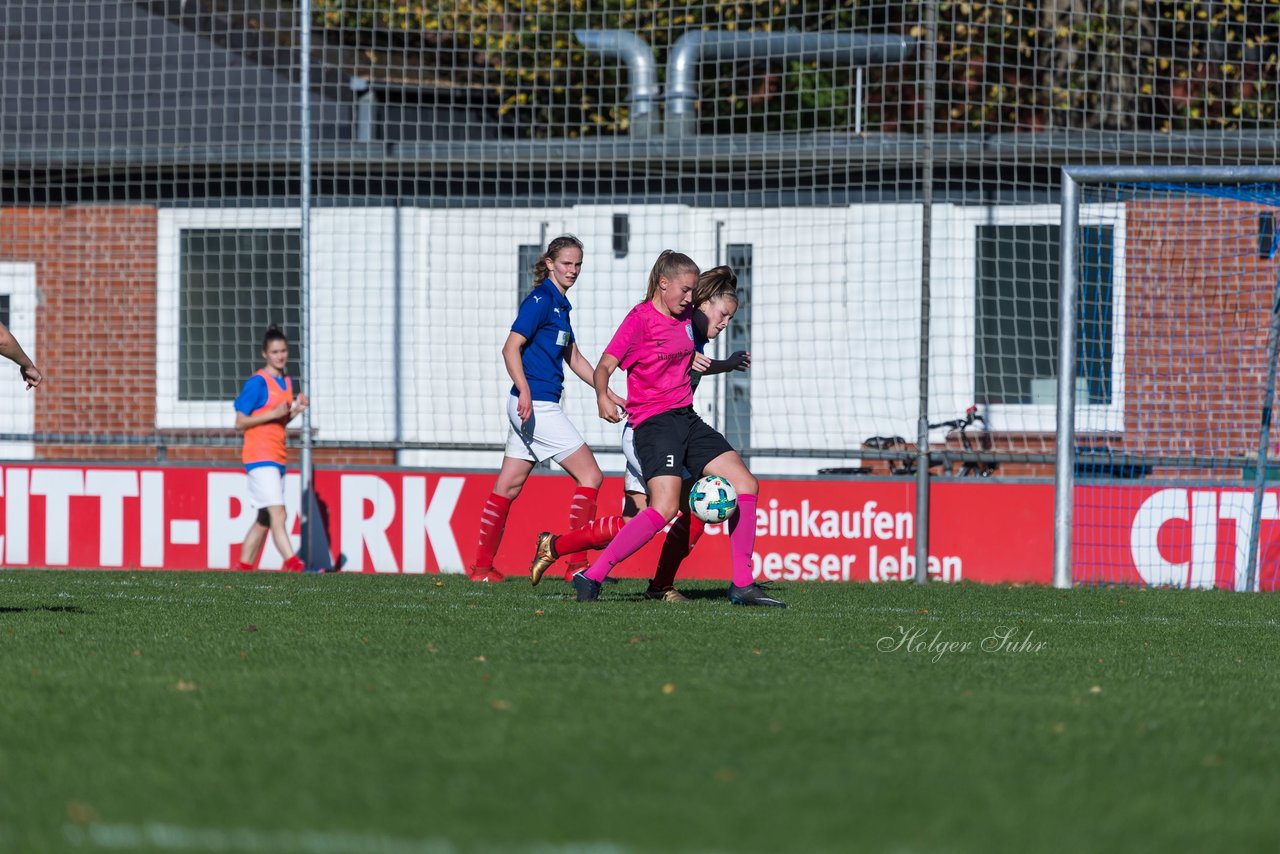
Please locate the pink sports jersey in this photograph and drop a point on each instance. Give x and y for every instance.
(656, 351)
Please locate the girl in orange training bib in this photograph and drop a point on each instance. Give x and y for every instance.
(265, 406)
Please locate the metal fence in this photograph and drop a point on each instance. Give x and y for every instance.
(884, 177)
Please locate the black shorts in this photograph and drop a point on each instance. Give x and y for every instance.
(667, 444)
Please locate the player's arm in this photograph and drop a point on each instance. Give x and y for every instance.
(12, 350)
(300, 404)
(606, 401)
(515, 368)
(579, 365)
(253, 396)
(244, 422)
(739, 361)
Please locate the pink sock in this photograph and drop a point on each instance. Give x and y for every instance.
(630, 539)
(742, 540)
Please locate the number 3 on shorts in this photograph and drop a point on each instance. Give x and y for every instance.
(671, 461)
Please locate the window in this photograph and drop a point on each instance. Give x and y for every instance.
(1001, 268)
(1017, 315)
(527, 255)
(233, 284)
(222, 275)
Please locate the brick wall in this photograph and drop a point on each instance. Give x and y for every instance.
(96, 279)
(96, 274)
(1196, 314)
(1196, 334)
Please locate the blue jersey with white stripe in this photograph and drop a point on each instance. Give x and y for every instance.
(543, 320)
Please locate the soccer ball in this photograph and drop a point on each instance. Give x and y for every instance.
(713, 499)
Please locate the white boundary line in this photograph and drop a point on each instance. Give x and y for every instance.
(176, 837)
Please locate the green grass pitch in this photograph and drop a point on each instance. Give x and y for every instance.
(223, 712)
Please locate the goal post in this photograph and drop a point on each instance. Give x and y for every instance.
(1176, 448)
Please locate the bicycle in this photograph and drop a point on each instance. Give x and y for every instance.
(970, 468)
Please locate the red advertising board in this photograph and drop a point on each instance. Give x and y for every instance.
(1173, 535)
(405, 521)
(184, 518)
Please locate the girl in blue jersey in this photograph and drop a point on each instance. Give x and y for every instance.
(540, 344)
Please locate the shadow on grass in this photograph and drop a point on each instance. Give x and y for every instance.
(694, 593)
(707, 593)
(53, 609)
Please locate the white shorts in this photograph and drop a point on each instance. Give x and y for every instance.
(632, 480)
(266, 487)
(548, 434)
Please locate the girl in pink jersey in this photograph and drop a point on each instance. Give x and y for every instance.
(715, 299)
(655, 346)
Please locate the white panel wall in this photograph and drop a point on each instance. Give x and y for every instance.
(353, 312)
(459, 302)
(834, 320)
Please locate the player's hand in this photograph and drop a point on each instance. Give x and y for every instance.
(278, 413)
(32, 376)
(300, 403)
(619, 402)
(609, 410)
(739, 361)
(524, 406)
(701, 361)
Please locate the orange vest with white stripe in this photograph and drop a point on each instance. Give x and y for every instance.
(265, 442)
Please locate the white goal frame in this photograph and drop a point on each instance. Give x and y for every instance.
(1064, 476)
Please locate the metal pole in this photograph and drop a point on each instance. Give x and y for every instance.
(857, 100)
(926, 240)
(304, 276)
(397, 328)
(1264, 439)
(1064, 471)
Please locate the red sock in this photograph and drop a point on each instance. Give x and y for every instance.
(683, 536)
(596, 535)
(294, 564)
(493, 519)
(241, 566)
(582, 509)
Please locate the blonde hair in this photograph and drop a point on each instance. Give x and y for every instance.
(669, 265)
(554, 248)
(717, 283)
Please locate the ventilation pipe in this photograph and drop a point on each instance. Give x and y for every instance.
(642, 74)
(827, 48)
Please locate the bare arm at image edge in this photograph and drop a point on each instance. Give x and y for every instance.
(12, 350)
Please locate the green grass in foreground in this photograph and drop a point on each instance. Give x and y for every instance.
(220, 712)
